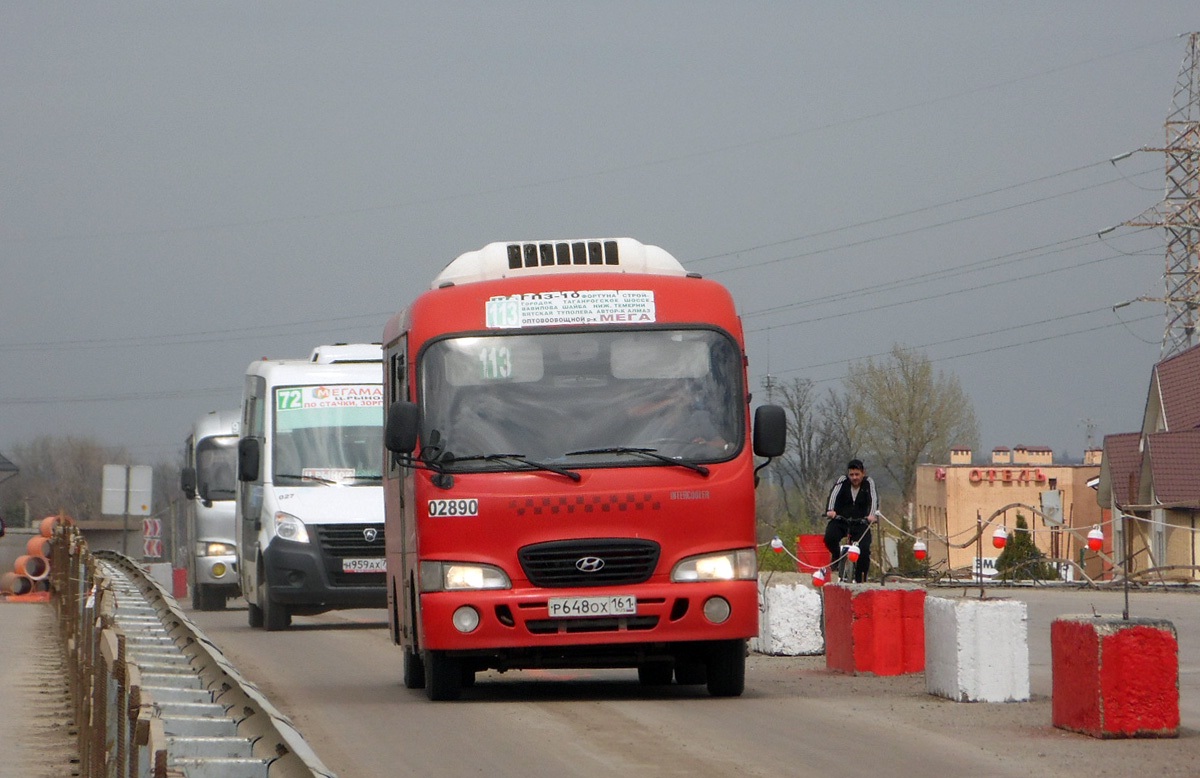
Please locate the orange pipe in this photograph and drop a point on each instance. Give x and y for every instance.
(38, 546)
(47, 525)
(11, 583)
(35, 568)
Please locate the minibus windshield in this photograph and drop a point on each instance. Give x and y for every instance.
(328, 435)
(586, 398)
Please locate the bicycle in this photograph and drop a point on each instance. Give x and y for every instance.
(856, 531)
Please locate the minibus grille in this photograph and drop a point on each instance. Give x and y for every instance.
(589, 562)
(350, 540)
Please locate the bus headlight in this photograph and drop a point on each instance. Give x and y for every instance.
(290, 528)
(461, 576)
(738, 565)
(215, 549)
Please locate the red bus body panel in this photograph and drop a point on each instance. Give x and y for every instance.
(687, 513)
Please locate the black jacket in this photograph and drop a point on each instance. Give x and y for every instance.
(840, 501)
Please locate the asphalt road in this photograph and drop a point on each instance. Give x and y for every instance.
(338, 677)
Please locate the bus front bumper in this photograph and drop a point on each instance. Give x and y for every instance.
(515, 623)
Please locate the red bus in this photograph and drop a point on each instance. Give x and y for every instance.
(571, 472)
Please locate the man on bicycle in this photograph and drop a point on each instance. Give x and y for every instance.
(853, 504)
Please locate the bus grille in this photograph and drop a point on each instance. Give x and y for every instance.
(568, 563)
(350, 540)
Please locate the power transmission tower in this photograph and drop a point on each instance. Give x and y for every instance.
(1179, 210)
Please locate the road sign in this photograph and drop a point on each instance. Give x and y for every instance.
(152, 547)
(152, 528)
(141, 481)
(125, 487)
(113, 489)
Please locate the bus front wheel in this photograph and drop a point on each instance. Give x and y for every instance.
(726, 667)
(443, 676)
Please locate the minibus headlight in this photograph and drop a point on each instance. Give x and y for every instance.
(461, 576)
(738, 565)
(290, 528)
(215, 549)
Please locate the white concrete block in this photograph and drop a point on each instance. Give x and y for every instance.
(977, 650)
(161, 572)
(789, 620)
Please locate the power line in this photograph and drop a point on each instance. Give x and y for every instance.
(903, 233)
(268, 221)
(125, 397)
(901, 214)
(990, 263)
(988, 350)
(188, 338)
(938, 295)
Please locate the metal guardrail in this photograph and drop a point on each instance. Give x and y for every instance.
(153, 697)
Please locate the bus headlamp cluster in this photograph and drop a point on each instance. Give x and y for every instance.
(461, 576)
(290, 528)
(737, 565)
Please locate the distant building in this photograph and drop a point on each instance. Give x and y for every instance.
(1150, 480)
(1057, 502)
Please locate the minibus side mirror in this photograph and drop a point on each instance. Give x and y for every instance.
(770, 431)
(187, 482)
(249, 459)
(400, 431)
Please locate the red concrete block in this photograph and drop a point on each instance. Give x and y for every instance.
(179, 583)
(873, 630)
(1115, 678)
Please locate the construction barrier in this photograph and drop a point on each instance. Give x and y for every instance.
(789, 619)
(874, 630)
(977, 650)
(811, 553)
(152, 696)
(1114, 677)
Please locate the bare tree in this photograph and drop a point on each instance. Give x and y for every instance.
(907, 414)
(59, 474)
(817, 446)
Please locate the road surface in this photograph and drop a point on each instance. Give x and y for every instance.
(339, 678)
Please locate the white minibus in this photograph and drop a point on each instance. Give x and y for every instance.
(310, 498)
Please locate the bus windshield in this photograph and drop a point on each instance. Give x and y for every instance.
(329, 434)
(590, 399)
(216, 463)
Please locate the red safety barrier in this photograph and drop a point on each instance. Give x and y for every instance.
(811, 553)
(1115, 678)
(871, 630)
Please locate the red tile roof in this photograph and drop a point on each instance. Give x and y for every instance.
(1123, 460)
(1175, 467)
(1179, 384)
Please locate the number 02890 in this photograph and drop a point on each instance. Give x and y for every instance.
(465, 507)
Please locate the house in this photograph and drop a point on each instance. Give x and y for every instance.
(1150, 480)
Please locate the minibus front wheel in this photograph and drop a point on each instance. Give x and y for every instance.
(443, 676)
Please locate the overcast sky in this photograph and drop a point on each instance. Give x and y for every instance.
(186, 187)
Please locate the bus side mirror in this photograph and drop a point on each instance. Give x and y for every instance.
(770, 431)
(249, 459)
(400, 432)
(187, 482)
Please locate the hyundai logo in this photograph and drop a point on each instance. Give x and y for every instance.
(370, 533)
(589, 564)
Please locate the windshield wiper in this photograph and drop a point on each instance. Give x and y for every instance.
(450, 459)
(652, 453)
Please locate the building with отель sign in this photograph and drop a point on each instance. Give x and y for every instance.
(1056, 500)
